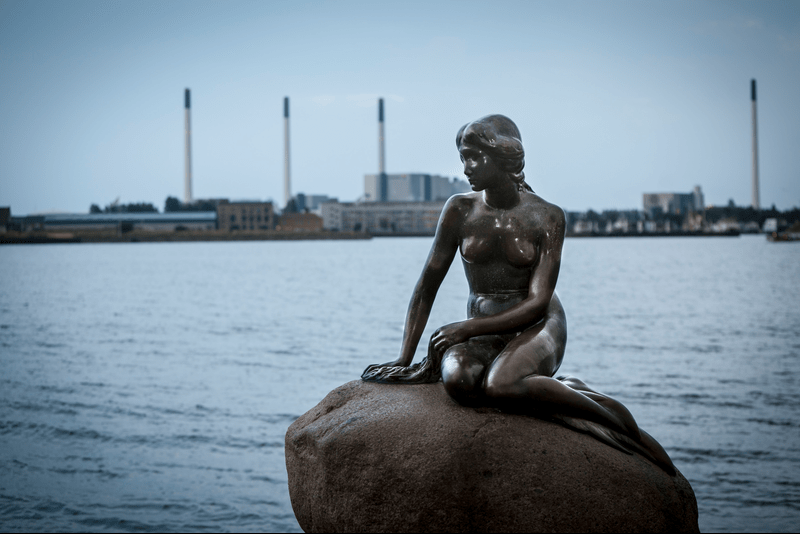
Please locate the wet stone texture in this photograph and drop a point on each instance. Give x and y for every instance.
(399, 458)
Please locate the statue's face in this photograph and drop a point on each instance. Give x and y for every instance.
(479, 168)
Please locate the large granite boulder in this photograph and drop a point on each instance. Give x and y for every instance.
(380, 458)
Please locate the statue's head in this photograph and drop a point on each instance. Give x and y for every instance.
(499, 137)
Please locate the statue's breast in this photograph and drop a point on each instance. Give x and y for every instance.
(478, 249)
(506, 243)
(519, 251)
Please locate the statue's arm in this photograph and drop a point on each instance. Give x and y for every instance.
(445, 246)
(540, 292)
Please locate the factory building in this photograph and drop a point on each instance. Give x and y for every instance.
(382, 218)
(299, 222)
(658, 204)
(412, 187)
(5, 218)
(303, 202)
(186, 220)
(246, 215)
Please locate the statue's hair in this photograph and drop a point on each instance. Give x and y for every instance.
(498, 136)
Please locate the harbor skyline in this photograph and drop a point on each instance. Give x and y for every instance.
(612, 101)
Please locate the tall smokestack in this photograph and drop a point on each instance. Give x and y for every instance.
(187, 178)
(384, 181)
(756, 200)
(287, 184)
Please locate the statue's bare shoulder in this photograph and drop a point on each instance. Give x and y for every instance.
(457, 209)
(543, 215)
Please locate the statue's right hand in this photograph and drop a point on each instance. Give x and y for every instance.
(395, 363)
(397, 372)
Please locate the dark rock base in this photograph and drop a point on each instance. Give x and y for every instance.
(398, 458)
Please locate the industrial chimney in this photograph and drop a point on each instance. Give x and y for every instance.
(187, 179)
(756, 200)
(383, 179)
(287, 186)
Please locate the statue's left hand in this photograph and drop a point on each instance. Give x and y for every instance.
(449, 335)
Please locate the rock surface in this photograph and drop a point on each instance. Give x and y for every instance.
(394, 458)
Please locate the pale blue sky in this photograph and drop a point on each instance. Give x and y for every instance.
(613, 99)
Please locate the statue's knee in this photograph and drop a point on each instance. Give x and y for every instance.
(495, 389)
(462, 385)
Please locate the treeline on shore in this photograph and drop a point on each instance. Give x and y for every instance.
(711, 215)
(171, 205)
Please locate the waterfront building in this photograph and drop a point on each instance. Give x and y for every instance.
(648, 227)
(299, 222)
(584, 226)
(382, 218)
(658, 204)
(770, 225)
(626, 221)
(245, 215)
(303, 202)
(412, 187)
(186, 220)
(750, 227)
(728, 224)
(5, 218)
(607, 222)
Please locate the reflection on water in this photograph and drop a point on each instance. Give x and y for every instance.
(149, 386)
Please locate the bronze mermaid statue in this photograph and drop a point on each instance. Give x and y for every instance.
(506, 353)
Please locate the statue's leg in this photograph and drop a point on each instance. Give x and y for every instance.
(463, 369)
(607, 402)
(647, 441)
(520, 379)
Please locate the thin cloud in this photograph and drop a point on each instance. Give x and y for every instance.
(323, 100)
(369, 99)
(727, 25)
(790, 44)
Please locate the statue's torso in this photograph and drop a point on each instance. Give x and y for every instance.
(500, 250)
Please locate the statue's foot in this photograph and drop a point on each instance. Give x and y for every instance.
(615, 412)
(659, 454)
(625, 434)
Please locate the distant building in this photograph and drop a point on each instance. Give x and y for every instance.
(299, 222)
(190, 220)
(172, 204)
(750, 227)
(247, 215)
(303, 202)
(607, 222)
(412, 187)
(727, 224)
(585, 227)
(382, 218)
(770, 225)
(5, 218)
(658, 204)
(26, 223)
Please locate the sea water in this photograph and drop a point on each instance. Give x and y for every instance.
(148, 387)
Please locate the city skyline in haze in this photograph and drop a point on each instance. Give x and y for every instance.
(612, 99)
